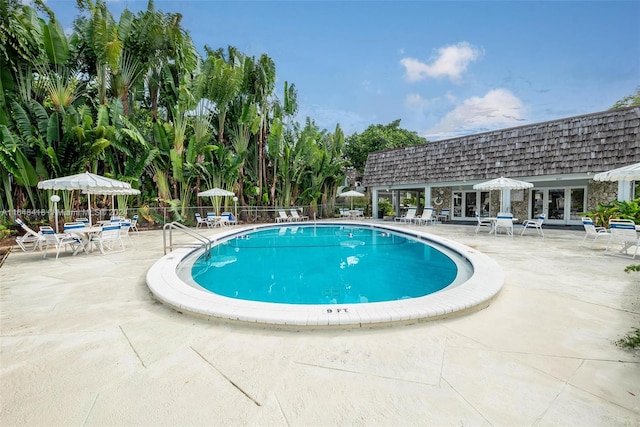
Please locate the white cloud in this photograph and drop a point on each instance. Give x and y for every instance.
(451, 61)
(415, 101)
(497, 109)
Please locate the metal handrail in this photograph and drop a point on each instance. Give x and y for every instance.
(186, 230)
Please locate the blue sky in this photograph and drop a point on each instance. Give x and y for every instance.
(444, 68)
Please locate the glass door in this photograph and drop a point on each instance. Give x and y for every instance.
(558, 208)
(466, 203)
(556, 205)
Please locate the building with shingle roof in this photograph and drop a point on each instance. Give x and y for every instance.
(559, 157)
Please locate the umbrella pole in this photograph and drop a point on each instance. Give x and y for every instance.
(89, 201)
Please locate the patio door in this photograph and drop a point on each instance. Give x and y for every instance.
(466, 203)
(561, 205)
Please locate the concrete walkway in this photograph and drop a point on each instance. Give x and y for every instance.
(84, 343)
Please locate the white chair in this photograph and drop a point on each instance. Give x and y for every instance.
(60, 240)
(426, 217)
(535, 224)
(592, 231)
(344, 213)
(408, 217)
(134, 223)
(109, 235)
(125, 226)
(504, 222)
(444, 215)
(483, 222)
(296, 217)
(30, 240)
(214, 220)
(230, 218)
(624, 231)
(200, 221)
(282, 216)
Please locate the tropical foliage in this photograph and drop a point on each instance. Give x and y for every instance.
(134, 100)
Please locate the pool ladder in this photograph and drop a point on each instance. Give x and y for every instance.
(168, 229)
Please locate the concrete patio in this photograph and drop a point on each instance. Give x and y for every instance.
(83, 342)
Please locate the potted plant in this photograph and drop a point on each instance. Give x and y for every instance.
(385, 210)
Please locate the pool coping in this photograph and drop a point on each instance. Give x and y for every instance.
(474, 294)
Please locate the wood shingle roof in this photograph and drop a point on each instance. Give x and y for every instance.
(589, 143)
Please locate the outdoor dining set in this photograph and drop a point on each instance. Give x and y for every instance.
(79, 236)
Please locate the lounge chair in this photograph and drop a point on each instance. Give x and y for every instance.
(296, 217)
(109, 235)
(504, 222)
(30, 240)
(344, 213)
(60, 240)
(535, 224)
(200, 221)
(134, 223)
(483, 222)
(624, 231)
(408, 217)
(592, 231)
(426, 217)
(282, 216)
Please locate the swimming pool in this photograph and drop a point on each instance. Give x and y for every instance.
(168, 282)
(326, 264)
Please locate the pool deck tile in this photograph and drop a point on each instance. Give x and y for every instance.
(84, 342)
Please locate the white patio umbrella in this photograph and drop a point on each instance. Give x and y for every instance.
(351, 194)
(216, 193)
(503, 184)
(83, 181)
(625, 173)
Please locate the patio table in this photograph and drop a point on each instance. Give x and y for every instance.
(494, 220)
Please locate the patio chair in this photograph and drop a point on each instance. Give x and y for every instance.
(592, 231)
(230, 218)
(200, 221)
(134, 223)
(109, 235)
(214, 220)
(483, 222)
(125, 226)
(296, 217)
(504, 222)
(60, 240)
(444, 215)
(426, 217)
(534, 224)
(282, 216)
(30, 240)
(344, 213)
(408, 217)
(624, 231)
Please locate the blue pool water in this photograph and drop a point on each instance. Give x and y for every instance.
(323, 265)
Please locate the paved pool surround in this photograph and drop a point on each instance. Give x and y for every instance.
(168, 286)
